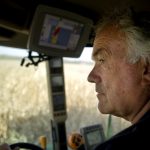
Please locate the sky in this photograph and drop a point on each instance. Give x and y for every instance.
(12, 51)
(85, 56)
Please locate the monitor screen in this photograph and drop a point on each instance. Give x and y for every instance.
(56, 62)
(60, 33)
(94, 137)
(57, 81)
(56, 32)
(59, 102)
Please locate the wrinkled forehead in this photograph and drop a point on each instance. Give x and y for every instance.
(112, 30)
(110, 38)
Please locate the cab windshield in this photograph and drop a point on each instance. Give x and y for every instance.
(25, 111)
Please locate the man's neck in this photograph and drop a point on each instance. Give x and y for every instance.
(140, 114)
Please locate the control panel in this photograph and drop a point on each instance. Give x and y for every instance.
(56, 89)
(92, 135)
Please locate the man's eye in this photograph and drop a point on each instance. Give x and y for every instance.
(101, 60)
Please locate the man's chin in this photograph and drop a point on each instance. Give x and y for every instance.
(103, 110)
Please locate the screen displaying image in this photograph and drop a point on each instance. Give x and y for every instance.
(57, 81)
(60, 33)
(94, 137)
(56, 62)
(59, 102)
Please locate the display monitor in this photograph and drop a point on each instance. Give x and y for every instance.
(57, 32)
(93, 135)
(59, 102)
(57, 81)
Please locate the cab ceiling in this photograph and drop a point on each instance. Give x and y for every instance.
(16, 15)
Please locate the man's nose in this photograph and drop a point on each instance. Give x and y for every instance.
(93, 77)
(90, 77)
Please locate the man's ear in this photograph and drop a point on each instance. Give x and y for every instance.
(146, 73)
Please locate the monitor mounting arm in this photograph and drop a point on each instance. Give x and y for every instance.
(34, 60)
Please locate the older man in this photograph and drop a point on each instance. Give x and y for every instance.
(122, 78)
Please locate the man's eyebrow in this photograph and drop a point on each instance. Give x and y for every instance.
(100, 51)
(95, 52)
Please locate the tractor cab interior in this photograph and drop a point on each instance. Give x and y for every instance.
(57, 29)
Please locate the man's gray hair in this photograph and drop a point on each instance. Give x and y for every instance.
(137, 33)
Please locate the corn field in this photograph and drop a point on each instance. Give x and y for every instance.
(24, 105)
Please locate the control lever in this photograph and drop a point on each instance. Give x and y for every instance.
(43, 142)
(76, 141)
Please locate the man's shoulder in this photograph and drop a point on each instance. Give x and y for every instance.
(134, 137)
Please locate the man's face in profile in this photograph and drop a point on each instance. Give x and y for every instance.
(117, 82)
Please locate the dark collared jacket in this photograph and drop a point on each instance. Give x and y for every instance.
(135, 137)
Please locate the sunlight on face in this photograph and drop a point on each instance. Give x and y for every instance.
(116, 81)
